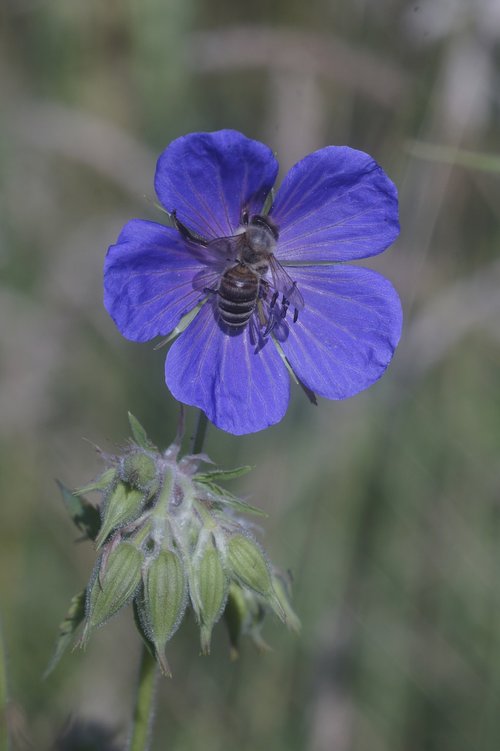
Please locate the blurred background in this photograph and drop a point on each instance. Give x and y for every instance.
(385, 507)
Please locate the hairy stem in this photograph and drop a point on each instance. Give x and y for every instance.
(144, 710)
(145, 703)
(4, 733)
(199, 436)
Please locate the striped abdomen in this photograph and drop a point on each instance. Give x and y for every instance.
(237, 295)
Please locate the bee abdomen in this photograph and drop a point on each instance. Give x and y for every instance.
(237, 296)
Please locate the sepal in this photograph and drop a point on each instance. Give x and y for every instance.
(122, 506)
(208, 589)
(102, 483)
(249, 566)
(139, 434)
(244, 616)
(112, 589)
(222, 475)
(163, 602)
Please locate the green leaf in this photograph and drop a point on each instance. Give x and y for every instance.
(448, 155)
(67, 629)
(139, 434)
(83, 513)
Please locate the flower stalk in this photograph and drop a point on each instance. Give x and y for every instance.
(144, 710)
(4, 732)
(169, 538)
(145, 701)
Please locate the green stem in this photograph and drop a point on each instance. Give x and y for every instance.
(142, 722)
(145, 703)
(199, 436)
(4, 733)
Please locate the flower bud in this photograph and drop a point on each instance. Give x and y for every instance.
(248, 565)
(124, 504)
(244, 615)
(165, 598)
(281, 586)
(114, 587)
(171, 535)
(139, 470)
(208, 589)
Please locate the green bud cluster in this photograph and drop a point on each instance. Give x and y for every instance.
(170, 538)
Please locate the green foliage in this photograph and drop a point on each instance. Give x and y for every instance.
(82, 512)
(67, 629)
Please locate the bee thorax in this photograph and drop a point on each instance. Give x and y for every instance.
(259, 240)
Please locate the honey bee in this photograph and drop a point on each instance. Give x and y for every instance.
(254, 279)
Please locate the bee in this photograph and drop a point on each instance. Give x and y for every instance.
(253, 279)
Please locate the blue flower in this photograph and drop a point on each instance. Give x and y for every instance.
(271, 288)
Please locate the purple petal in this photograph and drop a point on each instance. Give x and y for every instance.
(148, 280)
(207, 178)
(240, 391)
(346, 334)
(337, 204)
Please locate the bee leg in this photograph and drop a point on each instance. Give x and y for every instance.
(284, 307)
(271, 323)
(245, 216)
(186, 233)
(261, 314)
(273, 300)
(295, 315)
(209, 290)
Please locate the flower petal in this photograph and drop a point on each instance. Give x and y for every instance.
(337, 204)
(207, 178)
(148, 280)
(240, 390)
(346, 334)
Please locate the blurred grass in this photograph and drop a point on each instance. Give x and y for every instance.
(384, 507)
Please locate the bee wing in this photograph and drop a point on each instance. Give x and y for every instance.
(218, 255)
(224, 250)
(285, 285)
